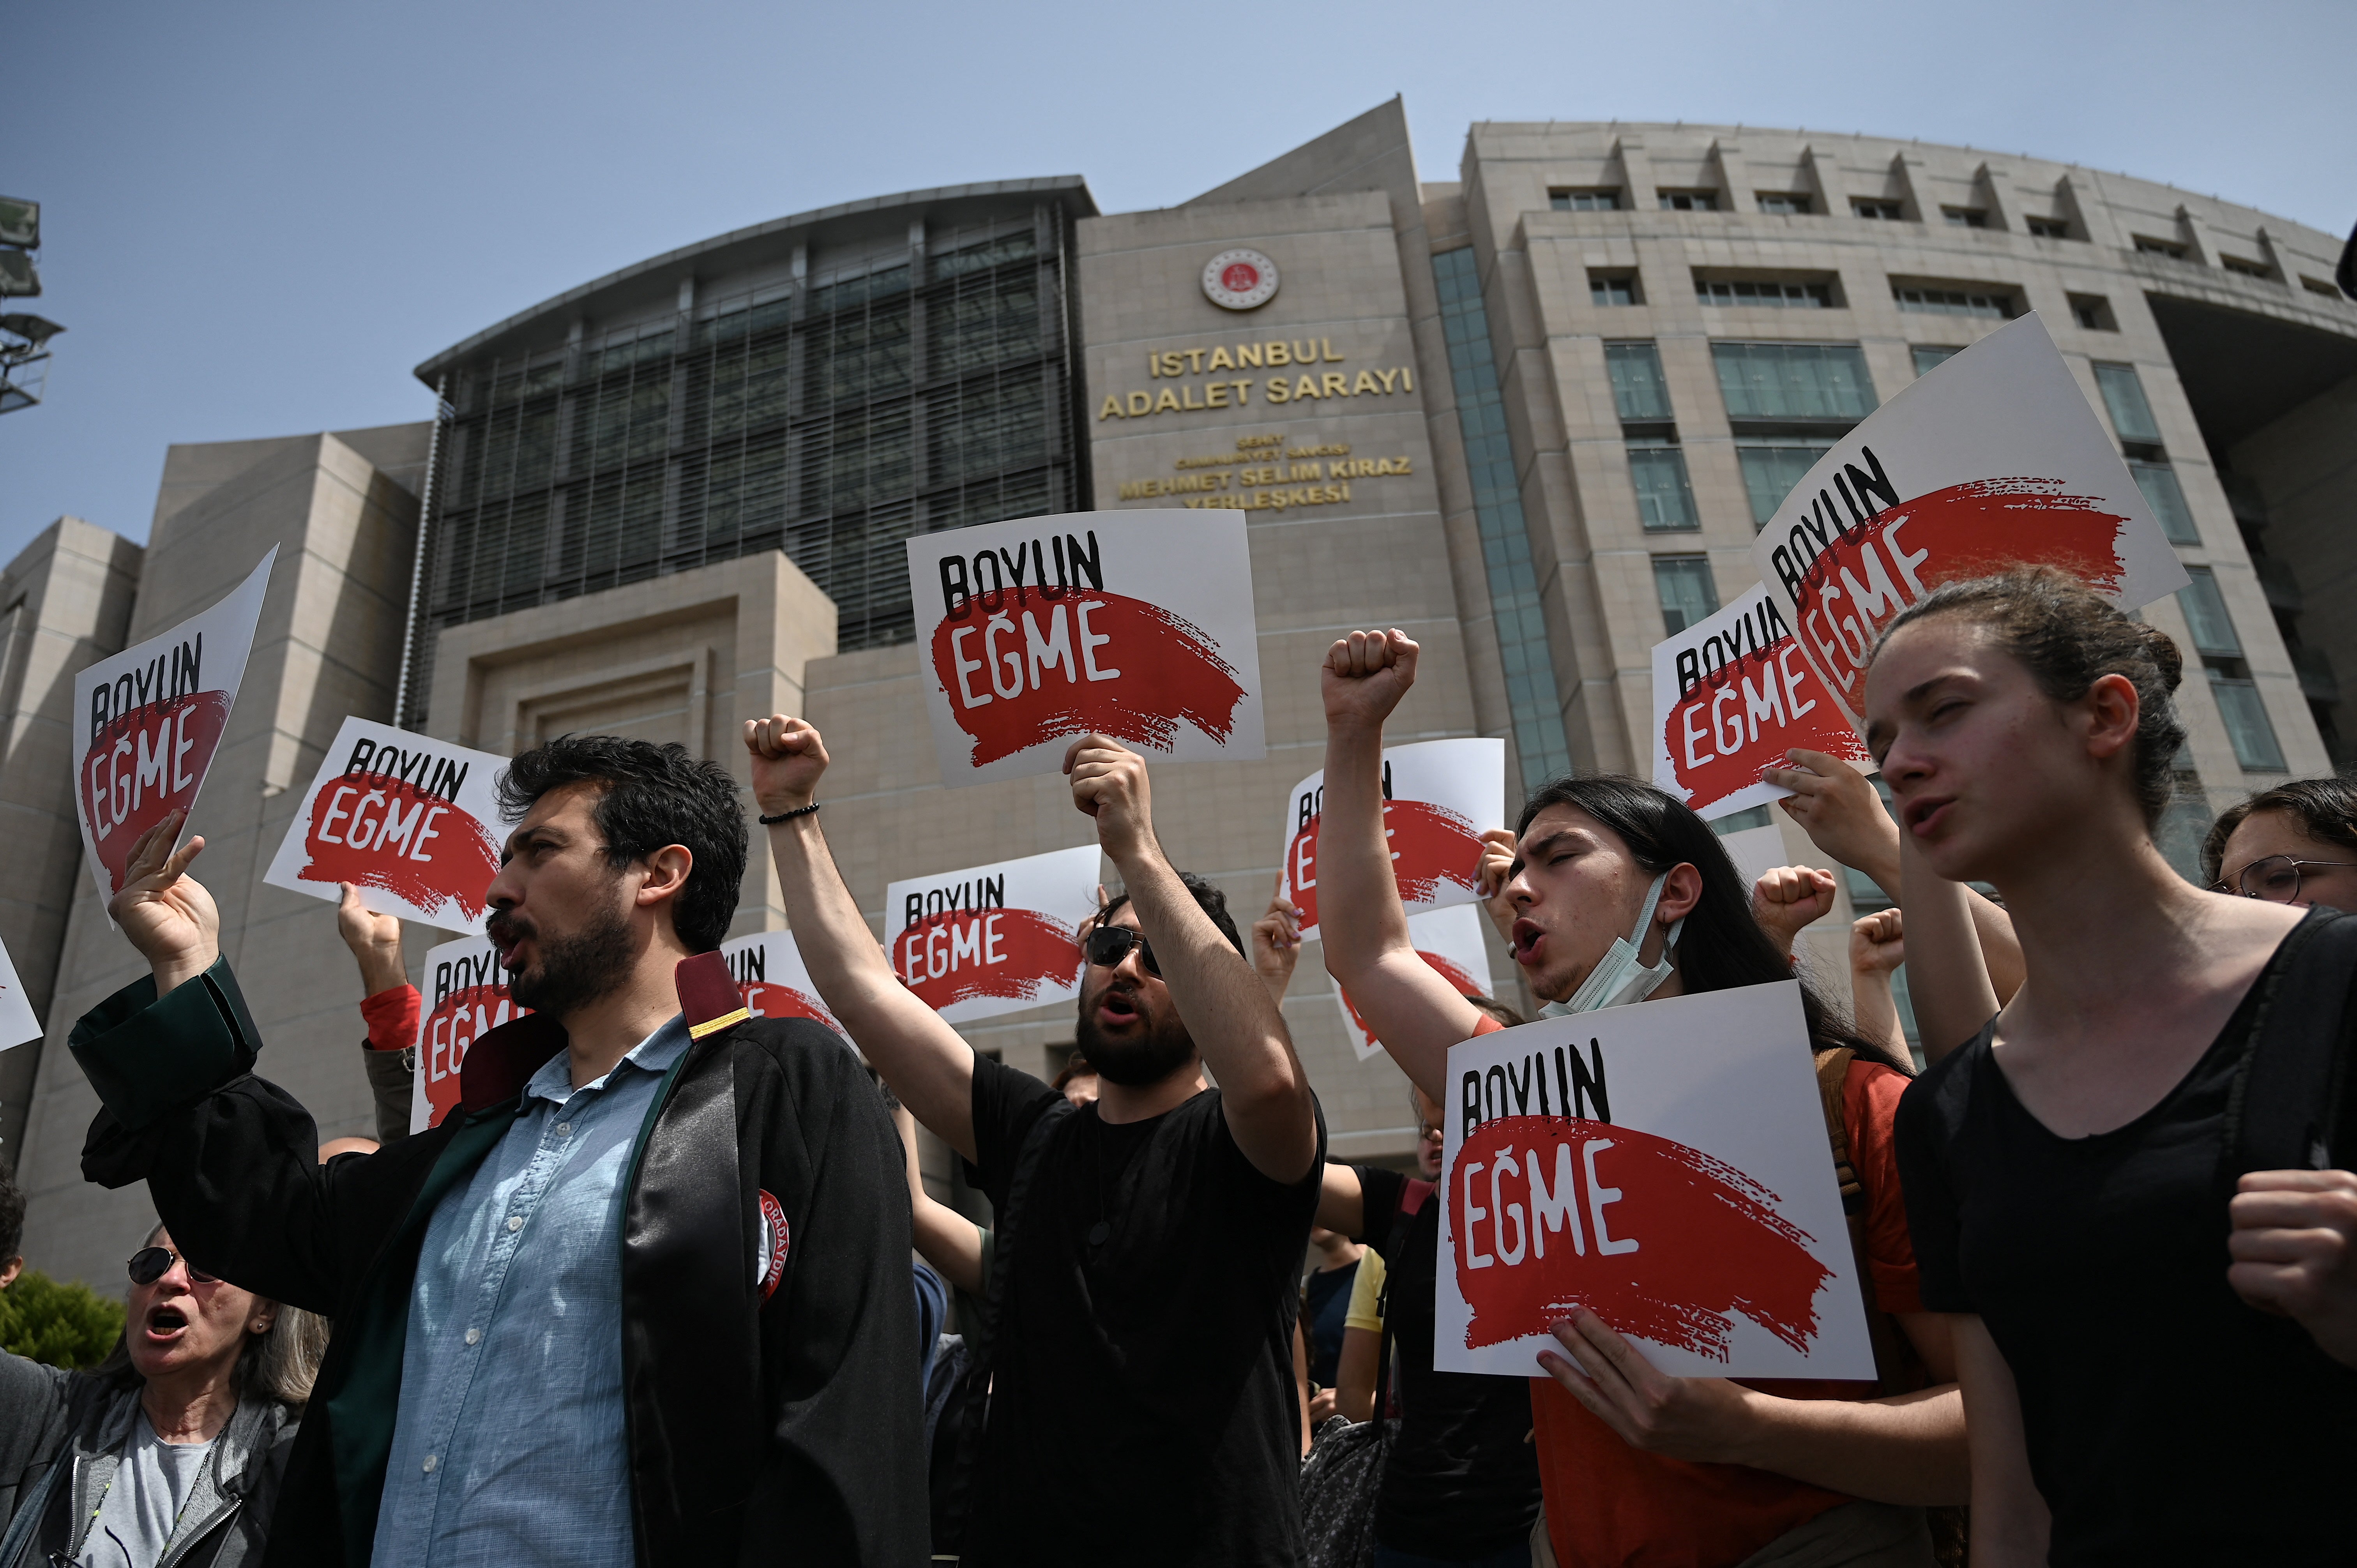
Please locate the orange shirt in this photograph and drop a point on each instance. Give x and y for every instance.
(1608, 1504)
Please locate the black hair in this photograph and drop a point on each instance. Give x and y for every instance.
(2325, 809)
(12, 1218)
(1721, 945)
(1508, 1016)
(651, 796)
(2069, 637)
(1208, 898)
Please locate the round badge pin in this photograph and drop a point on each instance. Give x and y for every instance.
(1240, 279)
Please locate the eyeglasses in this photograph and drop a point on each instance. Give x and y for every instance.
(1108, 945)
(151, 1264)
(1425, 1129)
(2275, 878)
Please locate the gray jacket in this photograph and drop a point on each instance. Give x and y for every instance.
(62, 1435)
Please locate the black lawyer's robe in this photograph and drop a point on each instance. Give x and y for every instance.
(784, 1427)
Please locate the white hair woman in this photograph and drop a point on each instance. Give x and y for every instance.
(174, 1445)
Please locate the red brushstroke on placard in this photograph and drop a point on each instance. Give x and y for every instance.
(1709, 1241)
(1430, 846)
(144, 764)
(1440, 966)
(768, 999)
(1154, 670)
(454, 866)
(1743, 716)
(446, 1033)
(1857, 583)
(961, 954)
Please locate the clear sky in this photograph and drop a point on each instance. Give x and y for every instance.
(259, 216)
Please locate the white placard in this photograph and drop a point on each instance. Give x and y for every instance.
(149, 720)
(774, 981)
(1687, 1199)
(993, 939)
(1450, 942)
(17, 1024)
(1440, 798)
(1134, 624)
(412, 822)
(464, 996)
(1994, 459)
(1731, 694)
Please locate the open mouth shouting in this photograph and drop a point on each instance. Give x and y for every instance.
(1117, 1009)
(164, 1325)
(1530, 942)
(1925, 814)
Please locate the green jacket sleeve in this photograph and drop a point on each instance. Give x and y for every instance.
(146, 1054)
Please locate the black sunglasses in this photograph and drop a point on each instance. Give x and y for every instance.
(1108, 945)
(151, 1264)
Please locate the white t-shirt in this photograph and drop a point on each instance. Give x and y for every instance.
(136, 1516)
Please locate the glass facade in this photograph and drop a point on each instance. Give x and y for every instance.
(1664, 501)
(2162, 493)
(1929, 357)
(1687, 592)
(2123, 396)
(2205, 615)
(1639, 391)
(1771, 469)
(830, 418)
(1780, 295)
(1794, 380)
(1954, 302)
(1531, 702)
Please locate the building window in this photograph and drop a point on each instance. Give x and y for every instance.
(1794, 380)
(1928, 358)
(2048, 228)
(2206, 617)
(2247, 726)
(1795, 295)
(2248, 269)
(2159, 483)
(1954, 302)
(1584, 201)
(1657, 469)
(2124, 395)
(2328, 289)
(1887, 211)
(2146, 246)
(1638, 391)
(1614, 289)
(1688, 595)
(1783, 203)
(1532, 704)
(1689, 200)
(1965, 216)
(2094, 312)
(1771, 469)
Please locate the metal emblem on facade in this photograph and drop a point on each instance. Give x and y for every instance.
(1240, 279)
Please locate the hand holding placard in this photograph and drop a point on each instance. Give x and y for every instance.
(1109, 783)
(163, 912)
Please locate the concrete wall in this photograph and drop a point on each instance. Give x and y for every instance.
(2305, 466)
(65, 602)
(329, 645)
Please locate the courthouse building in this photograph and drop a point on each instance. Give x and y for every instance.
(1533, 415)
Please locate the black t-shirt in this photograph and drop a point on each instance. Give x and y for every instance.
(1462, 1479)
(1322, 1315)
(1143, 1408)
(2167, 1420)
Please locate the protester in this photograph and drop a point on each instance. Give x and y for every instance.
(389, 1005)
(1876, 948)
(1148, 1274)
(174, 1448)
(12, 1231)
(642, 1297)
(2295, 843)
(951, 1244)
(1638, 1465)
(2069, 1171)
(1277, 943)
(1460, 1481)
(1326, 1299)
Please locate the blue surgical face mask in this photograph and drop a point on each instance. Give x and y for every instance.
(1618, 978)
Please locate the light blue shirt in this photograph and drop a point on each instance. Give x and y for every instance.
(511, 1447)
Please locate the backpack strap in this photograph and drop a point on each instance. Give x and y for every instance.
(2288, 1108)
(1415, 1193)
(983, 1341)
(1833, 1075)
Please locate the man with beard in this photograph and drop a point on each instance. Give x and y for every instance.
(1145, 1276)
(642, 1297)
